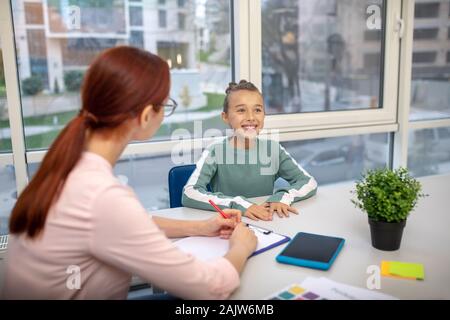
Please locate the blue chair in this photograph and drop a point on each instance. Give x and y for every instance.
(178, 177)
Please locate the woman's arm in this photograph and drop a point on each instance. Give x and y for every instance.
(179, 228)
(124, 236)
(216, 226)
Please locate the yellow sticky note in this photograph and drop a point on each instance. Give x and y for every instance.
(385, 271)
(385, 268)
(407, 270)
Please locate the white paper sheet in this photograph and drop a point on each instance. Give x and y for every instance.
(207, 248)
(338, 291)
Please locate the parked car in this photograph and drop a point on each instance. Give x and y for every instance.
(427, 149)
(330, 161)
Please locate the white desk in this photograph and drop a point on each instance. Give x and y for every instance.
(426, 239)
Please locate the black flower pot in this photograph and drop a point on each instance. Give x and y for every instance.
(386, 236)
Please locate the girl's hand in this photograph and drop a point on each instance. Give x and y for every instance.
(257, 212)
(219, 226)
(280, 208)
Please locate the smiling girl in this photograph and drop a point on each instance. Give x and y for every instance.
(233, 182)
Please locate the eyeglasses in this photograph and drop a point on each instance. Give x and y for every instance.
(169, 107)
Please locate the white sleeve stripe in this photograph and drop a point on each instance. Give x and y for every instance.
(194, 194)
(196, 174)
(295, 162)
(199, 166)
(289, 196)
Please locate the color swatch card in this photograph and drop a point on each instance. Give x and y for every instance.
(402, 270)
(326, 289)
(295, 292)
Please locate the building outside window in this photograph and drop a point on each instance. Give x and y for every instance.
(135, 16)
(53, 58)
(8, 192)
(430, 84)
(181, 21)
(162, 18)
(296, 34)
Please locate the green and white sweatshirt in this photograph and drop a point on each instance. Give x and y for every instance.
(234, 175)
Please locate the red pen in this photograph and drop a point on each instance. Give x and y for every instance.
(223, 214)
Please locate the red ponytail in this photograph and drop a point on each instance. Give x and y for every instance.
(119, 84)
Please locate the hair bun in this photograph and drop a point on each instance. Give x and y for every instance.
(231, 85)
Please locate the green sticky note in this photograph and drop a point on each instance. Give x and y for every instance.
(407, 270)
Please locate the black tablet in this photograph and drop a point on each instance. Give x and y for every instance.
(311, 250)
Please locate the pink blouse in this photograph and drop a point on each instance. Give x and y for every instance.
(96, 236)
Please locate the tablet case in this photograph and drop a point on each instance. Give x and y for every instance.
(315, 243)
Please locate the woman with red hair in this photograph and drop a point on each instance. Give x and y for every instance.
(75, 215)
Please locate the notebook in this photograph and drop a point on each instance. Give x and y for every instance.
(311, 250)
(207, 248)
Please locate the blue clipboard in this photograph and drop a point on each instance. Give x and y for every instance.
(267, 239)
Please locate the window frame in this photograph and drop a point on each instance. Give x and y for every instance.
(336, 119)
(246, 44)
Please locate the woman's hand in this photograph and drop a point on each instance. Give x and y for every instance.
(280, 208)
(258, 212)
(242, 244)
(219, 226)
(243, 239)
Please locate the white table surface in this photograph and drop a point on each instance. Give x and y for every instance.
(426, 240)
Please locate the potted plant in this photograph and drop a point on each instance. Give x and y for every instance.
(388, 197)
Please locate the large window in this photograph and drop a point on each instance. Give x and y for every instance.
(328, 69)
(429, 151)
(8, 195)
(53, 58)
(340, 159)
(7, 176)
(322, 55)
(5, 133)
(430, 86)
(147, 175)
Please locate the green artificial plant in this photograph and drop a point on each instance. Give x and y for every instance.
(387, 195)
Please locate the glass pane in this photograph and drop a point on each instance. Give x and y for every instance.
(340, 159)
(430, 85)
(322, 55)
(8, 196)
(147, 175)
(5, 133)
(53, 53)
(429, 151)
